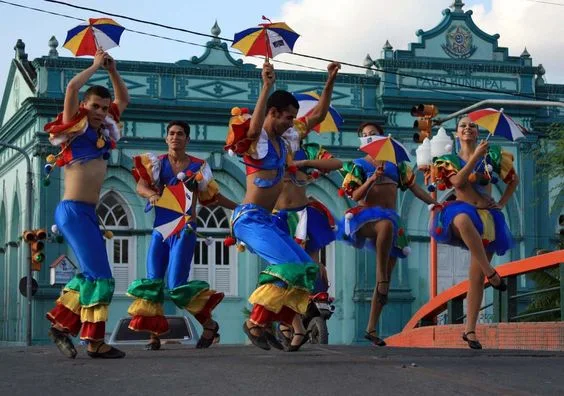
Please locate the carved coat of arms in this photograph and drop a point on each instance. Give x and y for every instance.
(459, 42)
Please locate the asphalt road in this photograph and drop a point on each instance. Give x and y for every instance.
(315, 370)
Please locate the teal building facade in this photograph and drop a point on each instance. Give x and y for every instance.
(452, 66)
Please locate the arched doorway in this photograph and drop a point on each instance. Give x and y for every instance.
(13, 261)
(114, 214)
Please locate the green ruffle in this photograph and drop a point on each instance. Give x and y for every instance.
(312, 150)
(452, 159)
(147, 289)
(494, 153)
(405, 175)
(92, 292)
(182, 295)
(301, 276)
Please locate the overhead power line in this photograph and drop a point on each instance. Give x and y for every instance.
(421, 78)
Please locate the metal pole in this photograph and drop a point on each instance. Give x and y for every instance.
(28, 222)
(434, 261)
(504, 102)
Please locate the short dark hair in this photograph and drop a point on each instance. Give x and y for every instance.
(182, 124)
(371, 123)
(281, 100)
(97, 90)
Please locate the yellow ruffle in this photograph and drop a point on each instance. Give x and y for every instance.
(506, 165)
(349, 178)
(273, 298)
(489, 226)
(199, 301)
(71, 301)
(145, 308)
(210, 193)
(97, 313)
(148, 162)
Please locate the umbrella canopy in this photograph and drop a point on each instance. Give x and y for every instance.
(308, 100)
(498, 123)
(384, 148)
(268, 39)
(171, 210)
(97, 33)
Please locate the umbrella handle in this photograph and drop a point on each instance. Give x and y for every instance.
(267, 44)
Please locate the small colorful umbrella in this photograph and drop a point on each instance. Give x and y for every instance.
(384, 148)
(172, 208)
(269, 39)
(308, 100)
(498, 123)
(97, 33)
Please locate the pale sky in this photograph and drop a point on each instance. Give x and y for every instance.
(344, 30)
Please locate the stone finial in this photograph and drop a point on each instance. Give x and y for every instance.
(539, 81)
(215, 31)
(457, 5)
(53, 44)
(368, 61)
(387, 46)
(525, 53)
(20, 50)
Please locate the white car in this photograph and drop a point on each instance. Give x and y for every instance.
(181, 331)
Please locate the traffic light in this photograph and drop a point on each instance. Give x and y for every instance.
(424, 122)
(35, 239)
(37, 255)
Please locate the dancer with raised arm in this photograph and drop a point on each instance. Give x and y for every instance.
(86, 132)
(284, 286)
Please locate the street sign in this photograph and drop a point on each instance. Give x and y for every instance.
(23, 286)
(62, 270)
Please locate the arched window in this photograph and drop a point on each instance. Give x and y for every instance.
(213, 261)
(115, 216)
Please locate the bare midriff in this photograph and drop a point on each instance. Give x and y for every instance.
(83, 180)
(264, 197)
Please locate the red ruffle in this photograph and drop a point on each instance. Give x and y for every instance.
(205, 313)
(65, 318)
(93, 331)
(154, 324)
(262, 316)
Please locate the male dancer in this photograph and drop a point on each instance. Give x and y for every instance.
(153, 174)
(308, 220)
(285, 285)
(86, 131)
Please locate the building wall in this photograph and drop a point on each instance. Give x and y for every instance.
(202, 91)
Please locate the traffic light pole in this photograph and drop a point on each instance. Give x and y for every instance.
(28, 222)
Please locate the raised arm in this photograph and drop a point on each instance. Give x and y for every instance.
(71, 104)
(120, 89)
(259, 113)
(319, 112)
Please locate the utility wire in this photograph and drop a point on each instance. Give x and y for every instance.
(515, 94)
